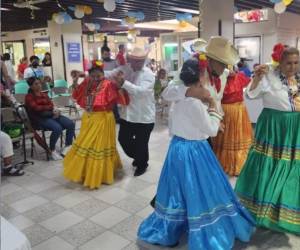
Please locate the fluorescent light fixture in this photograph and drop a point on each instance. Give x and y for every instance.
(110, 19)
(170, 44)
(4, 9)
(185, 10)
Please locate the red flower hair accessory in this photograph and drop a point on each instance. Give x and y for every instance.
(277, 52)
(97, 64)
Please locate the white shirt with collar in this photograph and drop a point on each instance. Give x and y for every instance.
(140, 87)
(272, 91)
(176, 90)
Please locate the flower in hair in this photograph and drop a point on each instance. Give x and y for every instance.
(97, 64)
(277, 52)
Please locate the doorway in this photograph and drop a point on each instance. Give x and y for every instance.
(16, 49)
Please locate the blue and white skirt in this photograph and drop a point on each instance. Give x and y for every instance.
(195, 197)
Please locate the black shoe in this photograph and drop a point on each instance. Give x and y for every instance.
(134, 164)
(139, 172)
(152, 203)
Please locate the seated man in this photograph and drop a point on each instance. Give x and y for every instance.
(6, 153)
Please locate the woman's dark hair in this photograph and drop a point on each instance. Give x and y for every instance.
(93, 69)
(32, 58)
(30, 82)
(190, 72)
(6, 57)
(289, 51)
(47, 53)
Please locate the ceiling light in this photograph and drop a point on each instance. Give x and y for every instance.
(185, 10)
(4, 9)
(110, 19)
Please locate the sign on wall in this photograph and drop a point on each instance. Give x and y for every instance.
(74, 52)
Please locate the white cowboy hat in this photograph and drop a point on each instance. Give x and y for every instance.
(138, 53)
(222, 50)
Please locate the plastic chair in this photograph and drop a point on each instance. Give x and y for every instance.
(60, 83)
(21, 87)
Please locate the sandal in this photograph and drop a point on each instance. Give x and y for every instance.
(12, 171)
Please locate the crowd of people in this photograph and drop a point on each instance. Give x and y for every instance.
(211, 138)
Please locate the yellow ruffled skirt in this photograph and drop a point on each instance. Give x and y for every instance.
(93, 157)
(232, 146)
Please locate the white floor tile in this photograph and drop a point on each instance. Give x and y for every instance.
(28, 203)
(110, 217)
(145, 212)
(149, 192)
(113, 195)
(72, 199)
(61, 221)
(21, 222)
(54, 243)
(39, 187)
(106, 241)
(52, 173)
(8, 189)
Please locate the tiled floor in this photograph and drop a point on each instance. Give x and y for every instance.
(58, 215)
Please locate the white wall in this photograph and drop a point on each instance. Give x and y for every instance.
(68, 33)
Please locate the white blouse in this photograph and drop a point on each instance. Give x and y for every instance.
(273, 93)
(176, 90)
(191, 120)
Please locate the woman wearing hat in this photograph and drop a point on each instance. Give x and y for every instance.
(93, 157)
(193, 194)
(269, 184)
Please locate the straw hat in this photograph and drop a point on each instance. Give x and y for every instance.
(222, 50)
(138, 53)
(199, 45)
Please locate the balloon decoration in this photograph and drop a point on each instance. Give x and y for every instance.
(62, 18)
(93, 26)
(110, 5)
(81, 10)
(254, 16)
(281, 5)
(183, 19)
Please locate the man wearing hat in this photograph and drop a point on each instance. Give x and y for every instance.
(137, 119)
(220, 53)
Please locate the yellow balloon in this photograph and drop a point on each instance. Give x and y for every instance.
(80, 7)
(287, 2)
(88, 10)
(183, 24)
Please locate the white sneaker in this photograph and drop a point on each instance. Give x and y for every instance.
(65, 150)
(56, 156)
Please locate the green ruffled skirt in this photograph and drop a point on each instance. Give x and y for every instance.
(269, 184)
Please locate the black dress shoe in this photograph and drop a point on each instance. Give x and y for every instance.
(139, 172)
(134, 164)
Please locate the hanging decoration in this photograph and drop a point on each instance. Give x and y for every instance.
(110, 5)
(93, 26)
(62, 18)
(132, 17)
(281, 5)
(81, 10)
(183, 19)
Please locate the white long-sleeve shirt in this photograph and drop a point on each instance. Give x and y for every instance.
(273, 93)
(192, 120)
(140, 87)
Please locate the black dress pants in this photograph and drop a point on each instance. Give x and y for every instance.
(134, 139)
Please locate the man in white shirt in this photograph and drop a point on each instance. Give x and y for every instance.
(137, 119)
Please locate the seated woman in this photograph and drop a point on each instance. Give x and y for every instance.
(93, 157)
(43, 115)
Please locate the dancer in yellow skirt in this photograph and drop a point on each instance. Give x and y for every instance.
(93, 157)
(232, 145)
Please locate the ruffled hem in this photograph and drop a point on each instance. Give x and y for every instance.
(156, 229)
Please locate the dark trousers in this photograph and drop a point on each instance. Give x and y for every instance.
(134, 139)
(116, 113)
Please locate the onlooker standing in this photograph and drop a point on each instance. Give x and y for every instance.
(10, 68)
(109, 64)
(120, 58)
(21, 67)
(160, 82)
(47, 62)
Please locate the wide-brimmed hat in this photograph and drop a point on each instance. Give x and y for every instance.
(195, 46)
(222, 50)
(138, 53)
